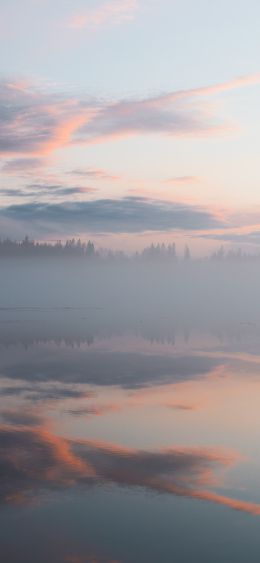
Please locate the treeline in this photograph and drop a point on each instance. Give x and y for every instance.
(29, 248)
(76, 248)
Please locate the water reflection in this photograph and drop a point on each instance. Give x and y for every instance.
(35, 460)
(96, 412)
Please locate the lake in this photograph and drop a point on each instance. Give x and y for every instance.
(128, 436)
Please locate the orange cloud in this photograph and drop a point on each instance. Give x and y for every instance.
(243, 506)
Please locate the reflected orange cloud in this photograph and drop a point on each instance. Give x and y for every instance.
(249, 507)
(34, 460)
(181, 406)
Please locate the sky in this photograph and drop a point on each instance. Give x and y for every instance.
(131, 122)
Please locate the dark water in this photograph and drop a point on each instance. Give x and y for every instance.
(127, 438)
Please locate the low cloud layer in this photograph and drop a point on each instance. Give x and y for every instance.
(126, 215)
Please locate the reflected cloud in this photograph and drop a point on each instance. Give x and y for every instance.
(88, 559)
(21, 418)
(181, 406)
(127, 370)
(49, 393)
(94, 410)
(34, 461)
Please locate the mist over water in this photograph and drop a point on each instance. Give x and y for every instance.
(129, 411)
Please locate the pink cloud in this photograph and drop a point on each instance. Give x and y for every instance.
(109, 13)
(239, 82)
(36, 123)
(62, 133)
(176, 180)
(177, 113)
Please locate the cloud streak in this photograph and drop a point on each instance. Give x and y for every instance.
(38, 191)
(94, 174)
(181, 180)
(246, 237)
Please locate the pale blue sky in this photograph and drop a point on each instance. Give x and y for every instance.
(168, 44)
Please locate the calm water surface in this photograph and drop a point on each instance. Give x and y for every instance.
(127, 439)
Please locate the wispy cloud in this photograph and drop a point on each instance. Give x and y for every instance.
(106, 14)
(22, 165)
(177, 113)
(239, 82)
(178, 180)
(246, 237)
(35, 123)
(49, 191)
(94, 173)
